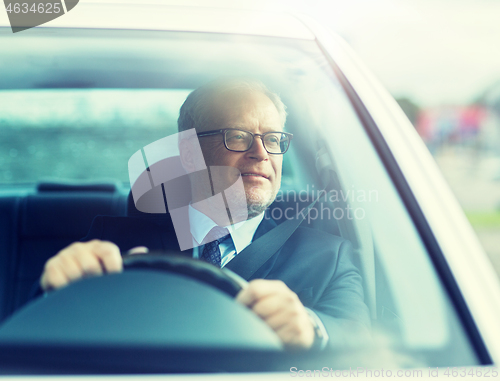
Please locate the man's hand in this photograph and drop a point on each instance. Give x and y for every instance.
(281, 309)
(79, 260)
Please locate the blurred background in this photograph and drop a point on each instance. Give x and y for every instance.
(440, 59)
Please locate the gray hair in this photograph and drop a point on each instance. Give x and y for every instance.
(195, 109)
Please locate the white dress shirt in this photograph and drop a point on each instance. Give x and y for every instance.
(241, 234)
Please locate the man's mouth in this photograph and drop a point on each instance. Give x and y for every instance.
(254, 174)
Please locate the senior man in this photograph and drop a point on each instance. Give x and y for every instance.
(309, 292)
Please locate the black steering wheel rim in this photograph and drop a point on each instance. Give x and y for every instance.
(170, 261)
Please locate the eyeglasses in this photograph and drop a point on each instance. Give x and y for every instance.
(275, 142)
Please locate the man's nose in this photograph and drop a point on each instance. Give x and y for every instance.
(257, 150)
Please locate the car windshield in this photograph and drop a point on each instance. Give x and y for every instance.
(77, 104)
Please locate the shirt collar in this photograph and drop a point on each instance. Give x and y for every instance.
(241, 233)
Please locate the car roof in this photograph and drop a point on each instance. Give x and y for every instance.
(156, 16)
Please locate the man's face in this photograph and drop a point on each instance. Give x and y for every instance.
(261, 171)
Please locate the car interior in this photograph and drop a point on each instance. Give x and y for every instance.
(86, 100)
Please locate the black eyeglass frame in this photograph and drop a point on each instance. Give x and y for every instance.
(261, 136)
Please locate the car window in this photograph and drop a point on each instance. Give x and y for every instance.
(80, 134)
(79, 103)
(409, 301)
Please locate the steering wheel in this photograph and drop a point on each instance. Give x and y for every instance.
(160, 300)
(170, 261)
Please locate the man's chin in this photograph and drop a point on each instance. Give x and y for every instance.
(255, 209)
(258, 201)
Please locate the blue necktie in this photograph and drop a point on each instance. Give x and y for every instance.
(211, 251)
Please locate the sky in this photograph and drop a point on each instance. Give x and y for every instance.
(433, 51)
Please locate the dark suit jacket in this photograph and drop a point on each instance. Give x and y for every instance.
(317, 266)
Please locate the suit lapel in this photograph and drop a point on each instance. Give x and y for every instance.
(264, 227)
(238, 264)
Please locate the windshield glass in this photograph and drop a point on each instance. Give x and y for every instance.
(77, 107)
